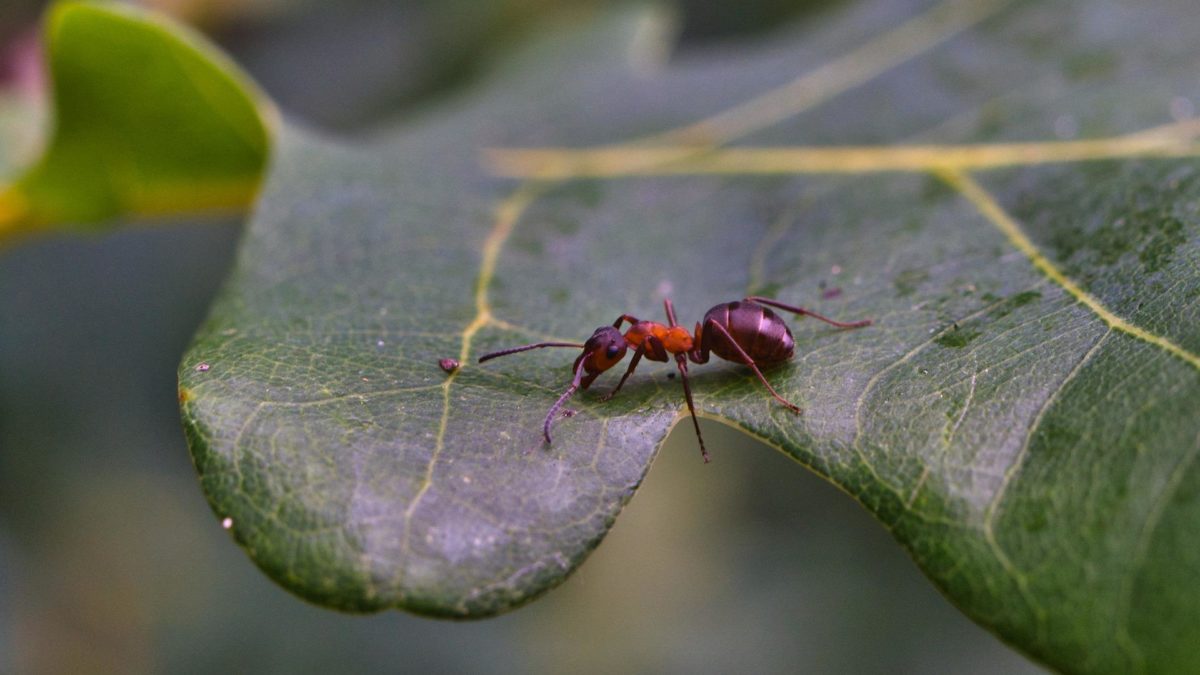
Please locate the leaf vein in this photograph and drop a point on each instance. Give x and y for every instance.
(995, 214)
(507, 213)
(860, 404)
(1143, 546)
(989, 519)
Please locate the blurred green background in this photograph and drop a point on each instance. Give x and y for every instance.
(110, 560)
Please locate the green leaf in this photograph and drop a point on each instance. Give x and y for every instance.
(149, 120)
(1000, 186)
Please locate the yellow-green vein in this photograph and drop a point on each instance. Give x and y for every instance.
(507, 213)
(626, 160)
(995, 214)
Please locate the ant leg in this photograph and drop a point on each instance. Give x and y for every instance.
(699, 353)
(561, 400)
(651, 347)
(625, 317)
(670, 307)
(681, 362)
(754, 366)
(800, 310)
(637, 356)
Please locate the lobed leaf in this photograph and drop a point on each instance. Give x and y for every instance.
(1008, 189)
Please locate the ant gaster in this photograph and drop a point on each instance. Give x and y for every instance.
(745, 332)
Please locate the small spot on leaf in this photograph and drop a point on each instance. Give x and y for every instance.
(957, 338)
(907, 281)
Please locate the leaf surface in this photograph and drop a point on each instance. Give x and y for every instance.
(1009, 190)
(148, 119)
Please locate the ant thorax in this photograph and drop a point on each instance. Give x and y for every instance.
(674, 339)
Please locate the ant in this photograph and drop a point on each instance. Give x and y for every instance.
(745, 332)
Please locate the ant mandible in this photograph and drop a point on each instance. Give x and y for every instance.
(745, 332)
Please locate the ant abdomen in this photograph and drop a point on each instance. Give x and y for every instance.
(761, 333)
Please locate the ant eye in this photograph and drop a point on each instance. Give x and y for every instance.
(613, 350)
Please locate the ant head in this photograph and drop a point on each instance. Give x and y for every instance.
(603, 350)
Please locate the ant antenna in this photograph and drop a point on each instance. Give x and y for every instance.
(525, 348)
(670, 307)
(579, 365)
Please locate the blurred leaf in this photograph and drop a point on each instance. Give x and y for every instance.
(149, 120)
(1021, 416)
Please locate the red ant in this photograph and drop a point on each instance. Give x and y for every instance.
(746, 332)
